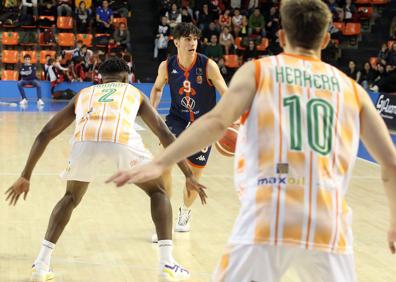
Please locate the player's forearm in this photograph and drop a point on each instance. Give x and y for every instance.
(200, 134)
(389, 181)
(36, 152)
(155, 97)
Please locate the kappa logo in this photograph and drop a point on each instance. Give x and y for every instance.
(201, 158)
(174, 71)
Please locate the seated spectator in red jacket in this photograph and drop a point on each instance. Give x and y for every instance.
(104, 18)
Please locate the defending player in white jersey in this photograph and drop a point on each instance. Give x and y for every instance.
(105, 115)
(301, 124)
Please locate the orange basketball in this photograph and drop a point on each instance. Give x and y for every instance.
(226, 145)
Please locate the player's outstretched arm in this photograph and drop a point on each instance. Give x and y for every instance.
(203, 132)
(53, 128)
(216, 78)
(376, 138)
(160, 81)
(160, 129)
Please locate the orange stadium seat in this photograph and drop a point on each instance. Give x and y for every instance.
(66, 39)
(117, 21)
(263, 44)
(85, 38)
(379, 2)
(352, 29)
(10, 38)
(44, 53)
(64, 23)
(231, 61)
(340, 26)
(9, 75)
(362, 2)
(238, 42)
(33, 55)
(9, 56)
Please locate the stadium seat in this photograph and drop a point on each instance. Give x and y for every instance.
(9, 57)
(10, 38)
(379, 2)
(238, 42)
(231, 61)
(33, 55)
(100, 35)
(9, 75)
(64, 23)
(362, 2)
(66, 39)
(44, 53)
(49, 18)
(352, 29)
(117, 22)
(365, 13)
(340, 26)
(85, 38)
(263, 44)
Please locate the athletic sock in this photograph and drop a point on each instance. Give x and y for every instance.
(44, 257)
(165, 248)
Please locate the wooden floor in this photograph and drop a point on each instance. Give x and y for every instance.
(108, 236)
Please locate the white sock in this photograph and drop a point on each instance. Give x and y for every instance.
(44, 257)
(165, 248)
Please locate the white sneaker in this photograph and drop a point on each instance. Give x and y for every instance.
(40, 102)
(39, 275)
(173, 272)
(23, 102)
(183, 223)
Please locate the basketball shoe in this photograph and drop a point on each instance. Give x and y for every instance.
(40, 275)
(173, 272)
(184, 217)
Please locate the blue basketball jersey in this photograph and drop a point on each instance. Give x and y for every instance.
(193, 95)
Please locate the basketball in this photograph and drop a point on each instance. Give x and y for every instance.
(226, 145)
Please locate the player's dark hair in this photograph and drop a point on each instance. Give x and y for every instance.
(185, 30)
(113, 66)
(305, 22)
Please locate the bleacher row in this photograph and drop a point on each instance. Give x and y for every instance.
(65, 38)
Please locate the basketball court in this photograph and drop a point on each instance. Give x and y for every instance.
(108, 237)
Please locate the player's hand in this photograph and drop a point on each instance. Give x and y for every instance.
(193, 185)
(392, 240)
(21, 186)
(138, 174)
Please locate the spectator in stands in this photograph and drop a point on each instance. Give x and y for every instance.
(257, 23)
(387, 81)
(46, 66)
(391, 57)
(349, 11)
(223, 70)
(47, 8)
(174, 16)
(204, 17)
(383, 54)
(122, 8)
(9, 12)
(64, 8)
(237, 19)
(131, 74)
(162, 37)
(76, 51)
(273, 24)
(123, 38)
(352, 71)
(104, 18)
(379, 76)
(215, 7)
(367, 76)
(245, 27)
(236, 4)
(227, 40)
(28, 77)
(185, 16)
(225, 19)
(86, 54)
(208, 32)
(332, 53)
(214, 50)
(334, 32)
(76, 70)
(27, 5)
(250, 53)
(334, 9)
(83, 17)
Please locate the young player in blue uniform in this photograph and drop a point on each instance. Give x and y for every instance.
(193, 79)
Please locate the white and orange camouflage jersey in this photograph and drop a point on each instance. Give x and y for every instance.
(295, 154)
(107, 113)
